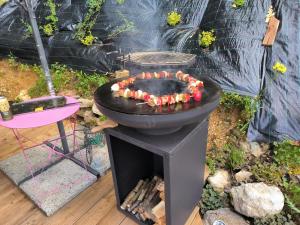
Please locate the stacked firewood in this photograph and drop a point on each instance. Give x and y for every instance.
(147, 201)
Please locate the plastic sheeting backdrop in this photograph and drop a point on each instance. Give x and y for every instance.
(237, 60)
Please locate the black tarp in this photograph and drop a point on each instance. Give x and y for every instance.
(237, 60)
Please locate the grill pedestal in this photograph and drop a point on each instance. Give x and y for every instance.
(179, 158)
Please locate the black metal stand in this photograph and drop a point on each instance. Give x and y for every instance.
(179, 158)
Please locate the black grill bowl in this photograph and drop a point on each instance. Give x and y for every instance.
(157, 120)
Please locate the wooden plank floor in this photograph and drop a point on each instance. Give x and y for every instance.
(95, 206)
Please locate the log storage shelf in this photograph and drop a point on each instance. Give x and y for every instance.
(174, 163)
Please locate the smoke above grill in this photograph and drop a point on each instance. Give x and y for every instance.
(160, 87)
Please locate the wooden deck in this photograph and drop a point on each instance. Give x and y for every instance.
(95, 206)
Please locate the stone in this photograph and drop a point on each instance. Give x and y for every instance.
(220, 180)
(256, 150)
(96, 111)
(225, 215)
(242, 176)
(89, 118)
(257, 200)
(86, 103)
(245, 146)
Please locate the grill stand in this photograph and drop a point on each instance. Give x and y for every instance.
(179, 158)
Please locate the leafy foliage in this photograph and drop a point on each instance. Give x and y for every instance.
(217, 158)
(52, 19)
(279, 67)
(206, 38)
(2, 2)
(88, 83)
(84, 29)
(125, 27)
(245, 104)
(238, 3)
(269, 173)
(120, 2)
(28, 29)
(173, 18)
(64, 78)
(279, 219)
(236, 157)
(288, 155)
(212, 200)
(292, 195)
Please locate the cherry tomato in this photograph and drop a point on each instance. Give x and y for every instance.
(197, 96)
(187, 98)
(159, 101)
(146, 98)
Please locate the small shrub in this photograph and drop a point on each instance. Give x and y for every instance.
(217, 158)
(292, 195)
(278, 219)
(236, 157)
(212, 200)
(88, 40)
(238, 3)
(279, 67)
(269, 173)
(173, 18)
(288, 155)
(87, 84)
(52, 19)
(245, 104)
(2, 2)
(65, 78)
(120, 2)
(206, 38)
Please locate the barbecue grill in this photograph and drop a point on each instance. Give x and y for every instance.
(165, 141)
(161, 119)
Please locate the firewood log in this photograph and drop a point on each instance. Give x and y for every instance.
(131, 194)
(159, 210)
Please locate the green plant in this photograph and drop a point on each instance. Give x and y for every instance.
(279, 67)
(292, 195)
(2, 2)
(278, 219)
(88, 40)
(28, 29)
(217, 158)
(288, 155)
(269, 173)
(211, 165)
(65, 78)
(12, 61)
(84, 29)
(238, 3)
(236, 157)
(245, 104)
(173, 18)
(206, 38)
(212, 200)
(125, 27)
(87, 84)
(52, 19)
(120, 2)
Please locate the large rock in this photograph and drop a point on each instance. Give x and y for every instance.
(225, 215)
(242, 176)
(220, 180)
(257, 200)
(254, 148)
